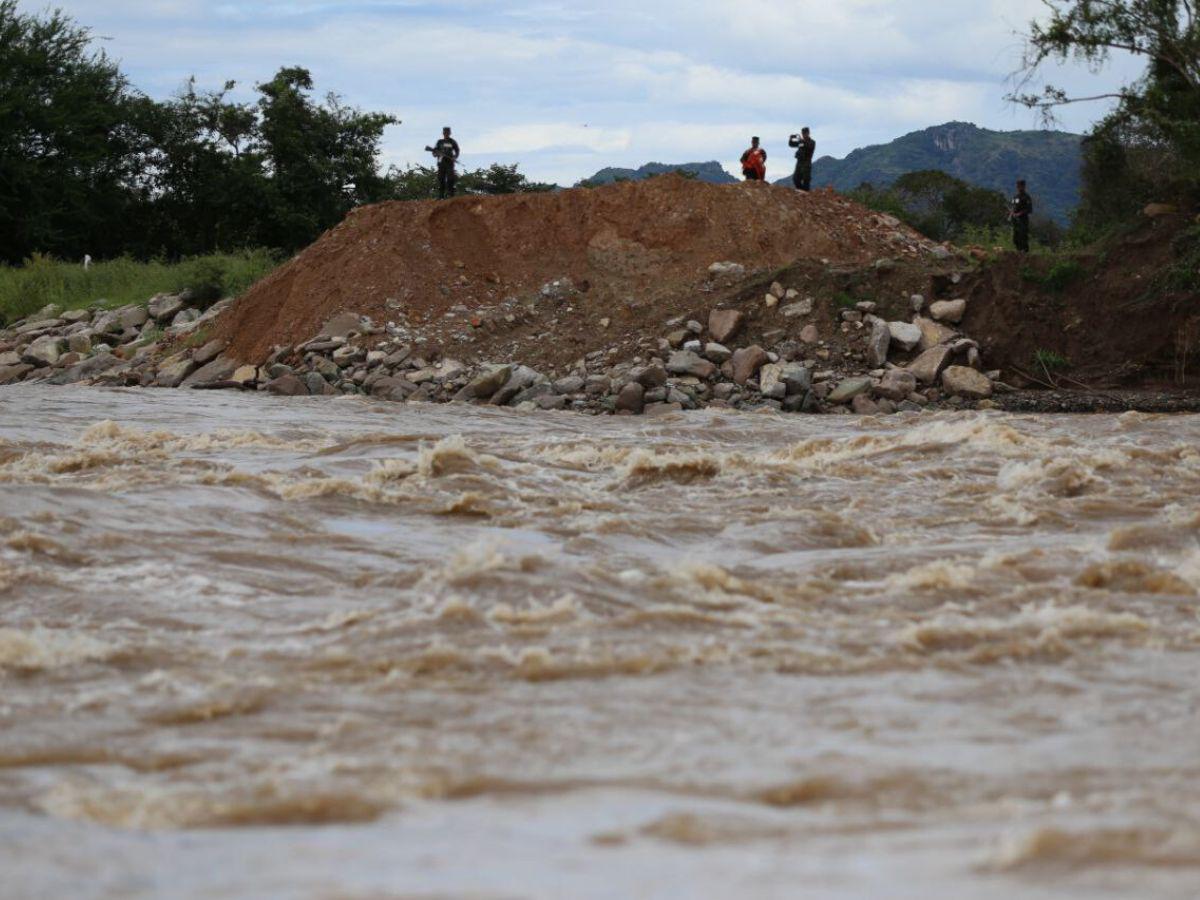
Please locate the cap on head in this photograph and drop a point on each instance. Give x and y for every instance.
(446, 130)
(804, 130)
(1020, 182)
(754, 140)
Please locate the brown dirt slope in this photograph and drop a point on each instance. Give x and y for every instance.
(1115, 317)
(633, 246)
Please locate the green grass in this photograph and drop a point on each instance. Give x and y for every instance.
(42, 280)
(1050, 361)
(1061, 274)
(843, 300)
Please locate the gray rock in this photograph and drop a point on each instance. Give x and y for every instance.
(534, 393)
(218, 369)
(799, 308)
(650, 376)
(747, 361)
(864, 405)
(599, 385)
(878, 343)
(341, 326)
(631, 398)
(172, 371)
(93, 367)
(132, 317)
(848, 389)
(896, 384)
(904, 335)
(164, 306)
(317, 385)
(287, 386)
(571, 384)
(929, 365)
(184, 318)
(75, 316)
(44, 351)
(80, 342)
(797, 403)
(552, 402)
(917, 302)
(797, 379)
(34, 326)
(685, 362)
(209, 351)
(770, 381)
(485, 385)
(10, 358)
(729, 270)
(717, 353)
(520, 378)
(962, 381)
(933, 334)
(13, 374)
(394, 389)
(725, 324)
(951, 311)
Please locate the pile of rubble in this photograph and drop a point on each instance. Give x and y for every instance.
(100, 344)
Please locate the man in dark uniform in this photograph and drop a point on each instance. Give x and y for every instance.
(754, 162)
(1022, 209)
(446, 153)
(805, 148)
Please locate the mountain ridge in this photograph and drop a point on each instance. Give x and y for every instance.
(1051, 161)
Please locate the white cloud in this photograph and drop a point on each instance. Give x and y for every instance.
(565, 88)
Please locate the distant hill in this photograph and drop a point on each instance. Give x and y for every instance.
(1049, 160)
(712, 172)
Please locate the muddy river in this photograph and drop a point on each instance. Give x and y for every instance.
(308, 648)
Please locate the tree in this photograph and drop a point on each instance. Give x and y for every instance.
(420, 182)
(1151, 141)
(71, 153)
(321, 158)
(938, 205)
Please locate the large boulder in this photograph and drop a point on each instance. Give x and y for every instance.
(948, 310)
(878, 343)
(521, 378)
(395, 389)
(164, 307)
(12, 374)
(341, 326)
(649, 377)
(962, 381)
(45, 351)
(685, 362)
(725, 324)
(35, 326)
(896, 384)
(287, 386)
(932, 333)
(929, 365)
(631, 399)
(797, 379)
(100, 364)
(210, 351)
(218, 369)
(848, 389)
(132, 317)
(770, 381)
(485, 385)
(747, 361)
(173, 370)
(905, 335)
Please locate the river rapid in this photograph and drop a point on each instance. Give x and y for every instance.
(302, 648)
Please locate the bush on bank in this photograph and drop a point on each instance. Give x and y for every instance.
(42, 280)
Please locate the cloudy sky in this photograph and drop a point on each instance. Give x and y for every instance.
(565, 87)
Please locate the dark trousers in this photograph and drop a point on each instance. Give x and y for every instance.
(751, 174)
(447, 179)
(803, 177)
(1021, 235)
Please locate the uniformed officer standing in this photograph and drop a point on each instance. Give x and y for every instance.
(1022, 209)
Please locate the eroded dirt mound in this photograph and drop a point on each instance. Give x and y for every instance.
(628, 250)
(1120, 315)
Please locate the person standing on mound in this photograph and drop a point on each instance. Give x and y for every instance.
(805, 148)
(754, 162)
(446, 153)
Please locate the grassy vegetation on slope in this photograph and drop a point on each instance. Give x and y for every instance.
(43, 280)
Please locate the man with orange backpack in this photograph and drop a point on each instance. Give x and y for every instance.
(754, 162)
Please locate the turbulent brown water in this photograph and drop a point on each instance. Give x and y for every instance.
(341, 649)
